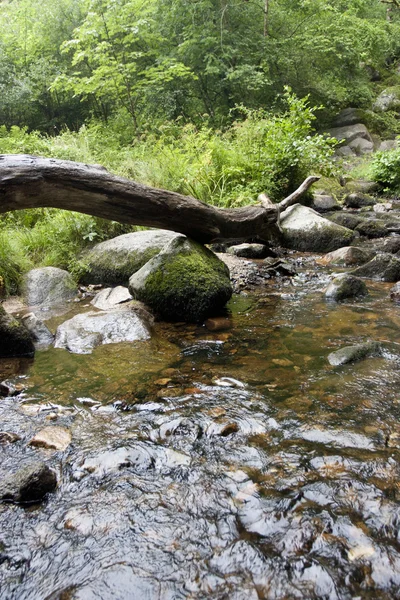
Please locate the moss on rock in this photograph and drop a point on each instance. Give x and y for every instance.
(186, 281)
(15, 340)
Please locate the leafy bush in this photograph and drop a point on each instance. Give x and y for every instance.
(385, 169)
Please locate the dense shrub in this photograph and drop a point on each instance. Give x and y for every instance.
(385, 169)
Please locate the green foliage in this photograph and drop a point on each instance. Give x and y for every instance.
(385, 169)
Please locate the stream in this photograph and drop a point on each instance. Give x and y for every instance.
(232, 465)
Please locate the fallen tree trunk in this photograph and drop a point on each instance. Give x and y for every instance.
(32, 182)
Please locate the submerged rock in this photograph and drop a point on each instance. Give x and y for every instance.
(30, 483)
(110, 298)
(48, 286)
(354, 353)
(305, 230)
(15, 340)
(184, 282)
(345, 286)
(41, 334)
(347, 256)
(384, 267)
(114, 261)
(54, 438)
(84, 332)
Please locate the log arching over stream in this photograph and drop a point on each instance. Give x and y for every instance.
(33, 182)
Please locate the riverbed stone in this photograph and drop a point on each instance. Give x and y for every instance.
(346, 219)
(395, 292)
(48, 286)
(384, 267)
(184, 282)
(372, 228)
(345, 286)
(41, 334)
(82, 333)
(28, 484)
(53, 438)
(324, 203)
(112, 262)
(358, 200)
(250, 250)
(305, 230)
(110, 298)
(15, 340)
(354, 353)
(347, 256)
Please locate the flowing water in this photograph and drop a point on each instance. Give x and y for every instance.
(222, 465)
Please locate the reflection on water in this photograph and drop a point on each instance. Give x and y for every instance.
(232, 465)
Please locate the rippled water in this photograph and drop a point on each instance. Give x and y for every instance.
(233, 465)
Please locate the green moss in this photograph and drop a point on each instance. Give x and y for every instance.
(188, 286)
(114, 268)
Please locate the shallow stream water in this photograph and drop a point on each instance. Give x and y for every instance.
(228, 465)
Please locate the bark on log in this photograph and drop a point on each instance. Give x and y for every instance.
(32, 182)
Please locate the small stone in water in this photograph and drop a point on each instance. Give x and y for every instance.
(218, 324)
(30, 483)
(228, 382)
(54, 438)
(163, 382)
(282, 362)
(7, 437)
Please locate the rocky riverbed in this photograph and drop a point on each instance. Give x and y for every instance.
(253, 455)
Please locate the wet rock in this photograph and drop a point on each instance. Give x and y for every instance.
(347, 256)
(222, 429)
(29, 484)
(48, 286)
(279, 266)
(372, 229)
(218, 324)
(324, 203)
(15, 340)
(41, 334)
(354, 353)
(84, 332)
(346, 219)
(53, 438)
(395, 292)
(8, 389)
(250, 250)
(184, 282)
(8, 437)
(114, 261)
(305, 230)
(345, 286)
(384, 267)
(110, 298)
(358, 200)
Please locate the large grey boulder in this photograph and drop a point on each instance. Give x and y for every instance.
(324, 203)
(114, 261)
(384, 267)
(305, 230)
(15, 340)
(48, 286)
(184, 282)
(345, 286)
(348, 256)
(82, 333)
(345, 135)
(361, 146)
(27, 484)
(354, 353)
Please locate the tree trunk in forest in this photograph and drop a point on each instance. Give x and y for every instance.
(32, 182)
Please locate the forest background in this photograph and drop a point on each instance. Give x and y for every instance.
(219, 99)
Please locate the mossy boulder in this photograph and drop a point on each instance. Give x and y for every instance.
(48, 286)
(305, 230)
(114, 261)
(384, 267)
(345, 286)
(372, 228)
(346, 219)
(15, 340)
(184, 282)
(358, 200)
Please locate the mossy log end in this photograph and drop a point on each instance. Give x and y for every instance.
(33, 182)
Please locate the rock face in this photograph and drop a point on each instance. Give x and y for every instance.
(84, 332)
(384, 267)
(41, 334)
(184, 282)
(354, 353)
(114, 261)
(15, 340)
(28, 484)
(345, 286)
(305, 230)
(111, 298)
(48, 286)
(347, 256)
